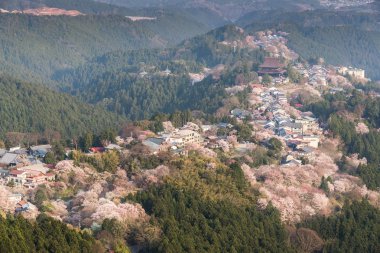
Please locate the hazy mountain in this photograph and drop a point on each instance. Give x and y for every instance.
(226, 8)
(35, 47)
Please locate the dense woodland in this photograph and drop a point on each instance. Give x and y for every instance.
(31, 108)
(114, 81)
(216, 215)
(356, 228)
(334, 108)
(35, 47)
(46, 234)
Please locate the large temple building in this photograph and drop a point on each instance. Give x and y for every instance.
(272, 66)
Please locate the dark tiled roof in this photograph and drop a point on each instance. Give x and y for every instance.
(271, 62)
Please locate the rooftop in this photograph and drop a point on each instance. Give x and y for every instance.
(271, 62)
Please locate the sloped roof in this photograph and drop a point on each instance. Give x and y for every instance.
(8, 158)
(271, 62)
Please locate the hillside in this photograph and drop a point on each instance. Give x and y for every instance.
(44, 235)
(28, 107)
(33, 48)
(341, 38)
(133, 83)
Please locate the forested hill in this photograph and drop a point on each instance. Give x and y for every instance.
(28, 107)
(342, 38)
(45, 235)
(32, 48)
(115, 80)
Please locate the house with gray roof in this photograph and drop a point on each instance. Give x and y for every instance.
(9, 159)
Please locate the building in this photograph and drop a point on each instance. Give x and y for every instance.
(184, 137)
(9, 159)
(3, 173)
(113, 147)
(272, 66)
(30, 176)
(240, 113)
(309, 125)
(353, 72)
(22, 206)
(40, 150)
(291, 128)
(18, 177)
(155, 145)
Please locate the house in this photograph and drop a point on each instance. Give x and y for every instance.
(97, 149)
(22, 206)
(155, 145)
(306, 151)
(40, 167)
(30, 176)
(18, 177)
(307, 141)
(353, 72)
(184, 137)
(113, 147)
(272, 66)
(2, 152)
(40, 150)
(9, 159)
(240, 113)
(13, 149)
(3, 173)
(293, 162)
(291, 127)
(309, 124)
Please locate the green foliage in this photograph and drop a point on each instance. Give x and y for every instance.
(114, 227)
(366, 145)
(203, 208)
(107, 161)
(275, 144)
(34, 48)
(238, 176)
(192, 224)
(45, 235)
(136, 162)
(40, 196)
(370, 175)
(28, 107)
(50, 158)
(114, 80)
(294, 75)
(324, 184)
(267, 79)
(355, 229)
(244, 132)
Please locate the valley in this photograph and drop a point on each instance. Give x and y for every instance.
(189, 126)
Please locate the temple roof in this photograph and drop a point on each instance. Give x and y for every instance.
(271, 62)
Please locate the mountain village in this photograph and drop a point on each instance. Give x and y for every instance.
(271, 114)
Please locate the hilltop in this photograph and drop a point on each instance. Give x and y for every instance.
(45, 11)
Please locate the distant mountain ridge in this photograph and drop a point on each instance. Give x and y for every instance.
(45, 11)
(230, 9)
(33, 47)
